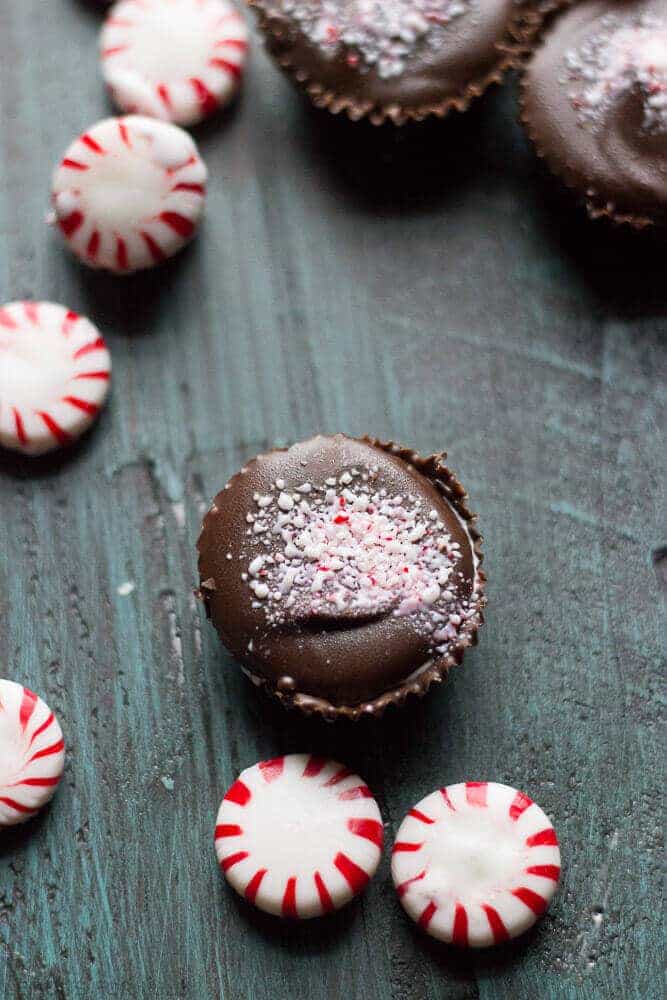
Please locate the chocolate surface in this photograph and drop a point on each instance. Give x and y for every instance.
(595, 105)
(395, 58)
(338, 569)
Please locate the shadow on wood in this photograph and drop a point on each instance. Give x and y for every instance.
(412, 169)
(127, 304)
(467, 964)
(15, 465)
(13, 839)
(298, 937)
(372, 747)
(625, 269)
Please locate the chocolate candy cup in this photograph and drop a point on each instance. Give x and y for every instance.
(400, 60)
(343, 574)
(593, 104)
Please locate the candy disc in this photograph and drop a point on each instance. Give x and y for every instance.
(129, 193)
(179, 60)
(54, 376)
(475, 864)
(32, 753)
(298, 836)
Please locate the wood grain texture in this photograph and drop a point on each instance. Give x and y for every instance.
(428, 285)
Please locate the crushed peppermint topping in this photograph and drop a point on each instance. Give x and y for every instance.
(619, 58)
(376, 34)
(349, 548)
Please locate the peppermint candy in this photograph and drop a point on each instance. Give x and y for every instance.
(32, 754)
(298, 836)
(54, 376)
(178, 60)
(475, 864)
(129, 193)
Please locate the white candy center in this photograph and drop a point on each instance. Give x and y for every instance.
(122, 189)
(34, 370)
(471, 855)
(170, 41)
(294, 823)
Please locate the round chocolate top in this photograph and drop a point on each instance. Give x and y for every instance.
(595, 103)
(411, 54)
(338, 568)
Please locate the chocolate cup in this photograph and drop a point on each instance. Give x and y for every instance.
(295, 56)
(427, 671)
(597, 204)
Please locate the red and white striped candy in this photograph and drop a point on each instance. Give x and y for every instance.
(298, 836)
(475, 864)
(178, 60)
(129, 193)
(32, 753)
(54, 376)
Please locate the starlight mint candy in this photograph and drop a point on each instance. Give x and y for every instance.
(54, 376)
(129, 193)
(475, 864)
(298, 836)
(595, 105)
(32, 754)
(343, 574)
(179, 60)
(396, 59)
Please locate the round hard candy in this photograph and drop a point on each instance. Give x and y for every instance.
(475, 864)
(32, 753)
(298, 836)
(54, 376)
(178, 60)
(129, 193)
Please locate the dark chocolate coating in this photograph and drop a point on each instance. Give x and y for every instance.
(619, 168)
(480, 44)
(343, 658)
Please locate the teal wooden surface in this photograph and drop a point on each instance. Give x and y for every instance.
(428, 285)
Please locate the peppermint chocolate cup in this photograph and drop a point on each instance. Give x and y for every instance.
(594, 104)
(343, 574)
(397, 60)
